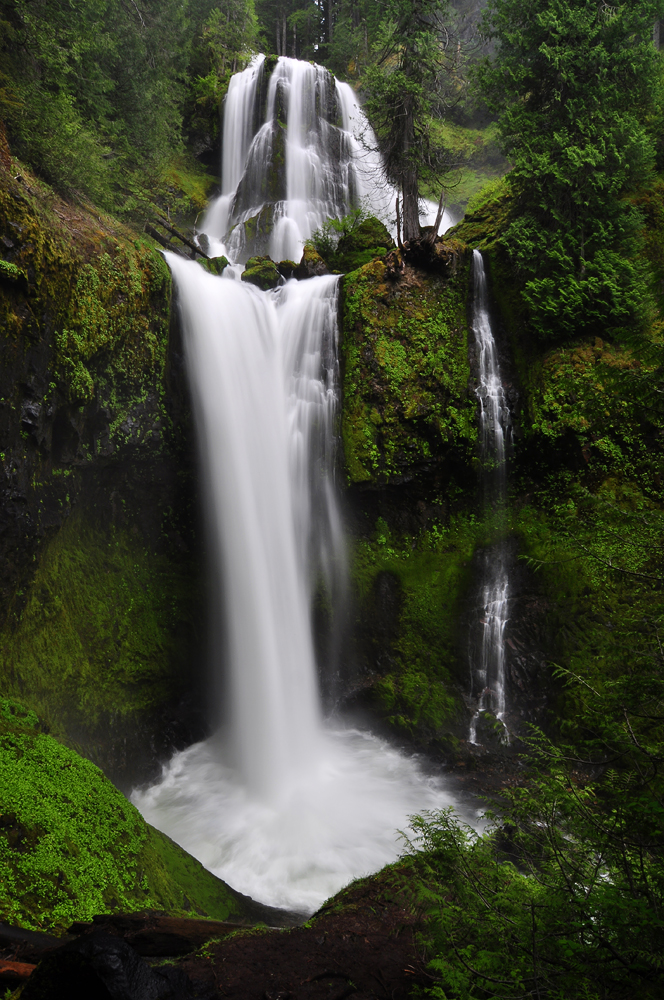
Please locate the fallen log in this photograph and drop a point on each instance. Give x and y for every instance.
(151, 231)
(174, 232)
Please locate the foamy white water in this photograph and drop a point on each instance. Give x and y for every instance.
(341, 822)
(277, 803)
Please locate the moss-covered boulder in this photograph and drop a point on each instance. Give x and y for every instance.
(215, 265)
(71, 845)
(262, 272)
(366, 242)
(286, 268)
(311, 264)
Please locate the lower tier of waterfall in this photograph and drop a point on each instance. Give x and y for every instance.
(277, 803)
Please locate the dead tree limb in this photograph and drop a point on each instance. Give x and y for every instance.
(151, 231)
(174, 232)
(431, 237)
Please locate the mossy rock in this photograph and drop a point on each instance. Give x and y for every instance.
(311, 264)
(262, 272)
(215, 265)
(286, 268)
(72, 846)
(408, 592)
(406, 372)
(103, 631)
(368, 241)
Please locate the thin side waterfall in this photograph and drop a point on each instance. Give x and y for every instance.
(487, 654)
(280, 803)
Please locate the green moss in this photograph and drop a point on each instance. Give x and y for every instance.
(367, 241)
(98, 294)
(71, 846)
(405, 371)
(420, 692)
(10, 272)
(103, 630)
(479, 160)
(215, 265)
(262, 272)
(596, 551)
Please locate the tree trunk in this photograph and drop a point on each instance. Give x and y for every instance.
(411, 208)
(409, 187)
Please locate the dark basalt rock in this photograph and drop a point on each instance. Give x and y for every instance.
(103, 967)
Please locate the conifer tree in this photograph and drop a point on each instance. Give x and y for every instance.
(574, 83)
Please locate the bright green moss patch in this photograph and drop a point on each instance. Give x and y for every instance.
(262, 272)
(97, 293)
(405, 371)
(105, 627)
(10, 272)
(72, 846)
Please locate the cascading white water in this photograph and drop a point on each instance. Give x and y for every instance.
(278, 803)
(313, 156)
(488, 655)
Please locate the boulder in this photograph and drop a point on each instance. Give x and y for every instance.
(262, 272)
(311, 265)
(286, 268)
(105, 967)
(215, 265)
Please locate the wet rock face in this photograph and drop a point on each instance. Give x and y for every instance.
(415, 508)
(98, 510)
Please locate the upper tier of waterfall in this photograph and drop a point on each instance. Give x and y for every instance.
(297, 150)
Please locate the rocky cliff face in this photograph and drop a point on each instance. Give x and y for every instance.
(101, 605)
(414, 502)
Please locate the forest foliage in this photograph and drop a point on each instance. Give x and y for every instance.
(112, 99)
(577, 87)
(120, 100)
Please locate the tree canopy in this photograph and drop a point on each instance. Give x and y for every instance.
(412, 78)
(574, 84)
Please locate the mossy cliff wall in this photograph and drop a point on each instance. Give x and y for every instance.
(409, 439)
(71, 846)
(586, 511)
(100, 600)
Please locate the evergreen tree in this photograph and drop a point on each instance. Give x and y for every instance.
(574, 83)
(406, 87)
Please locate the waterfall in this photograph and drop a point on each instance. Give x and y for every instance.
(297, 151)
(279, 802)
(487, 639)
